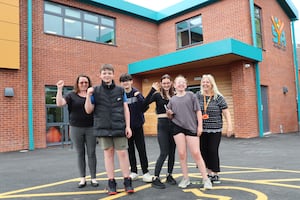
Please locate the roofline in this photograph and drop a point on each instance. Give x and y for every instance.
(201, 52)
(181, 7)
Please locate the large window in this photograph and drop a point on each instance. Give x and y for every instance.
(257, 18)
(75, 23)
(189, 32)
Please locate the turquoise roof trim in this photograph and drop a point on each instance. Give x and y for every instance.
(150, 14)
(182, 6)
(289, 8)
(219, 48)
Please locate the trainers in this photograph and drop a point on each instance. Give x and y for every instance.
(156, 183)
(171, 180)
(207, 184)
(147, 178)
(215, 179)
(134, 176)
(184, 183)
(128, 185)
(112, 187)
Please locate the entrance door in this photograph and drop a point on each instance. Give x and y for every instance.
(57, 119)
(265, 108)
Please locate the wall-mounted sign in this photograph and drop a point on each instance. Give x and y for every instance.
(279, 38)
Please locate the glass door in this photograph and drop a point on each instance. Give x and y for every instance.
(57, 118)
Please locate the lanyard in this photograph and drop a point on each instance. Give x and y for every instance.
(206, 103)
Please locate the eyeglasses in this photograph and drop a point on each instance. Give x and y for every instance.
(84, 82)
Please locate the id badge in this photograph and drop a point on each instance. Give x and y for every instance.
(205, 116)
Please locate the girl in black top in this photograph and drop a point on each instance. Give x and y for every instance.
(160, 93)
(81, 126)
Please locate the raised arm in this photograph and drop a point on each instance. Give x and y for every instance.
(60, 101)
(88, 106)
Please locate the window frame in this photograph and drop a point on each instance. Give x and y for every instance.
(189, 33)
(258, 33)
(83, 21)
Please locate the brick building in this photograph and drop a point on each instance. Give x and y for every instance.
(246, 44)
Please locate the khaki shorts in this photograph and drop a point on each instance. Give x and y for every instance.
(119, 143)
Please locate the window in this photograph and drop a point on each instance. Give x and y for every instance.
(189, 32)
(257, 19)
(79, 24)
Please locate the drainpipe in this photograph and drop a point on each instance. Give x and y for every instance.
(296, 72)
(257, 74)
(29, 68)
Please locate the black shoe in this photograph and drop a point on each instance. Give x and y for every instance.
(128, 185)
(112, 187)
(80, 185)
(94, 184)
(171, 180)
(214, 179)
(156, 183)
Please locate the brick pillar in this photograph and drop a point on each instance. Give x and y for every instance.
(244, 100)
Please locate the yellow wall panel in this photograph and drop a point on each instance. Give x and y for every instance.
(9, 34)
(9, 13)
(10, 2)
(9, 31)
(9, 54)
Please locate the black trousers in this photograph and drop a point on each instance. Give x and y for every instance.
(209, 147)
(137, 140)
(167, 145)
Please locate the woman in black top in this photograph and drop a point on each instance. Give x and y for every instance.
(160, 93)
(81, 126)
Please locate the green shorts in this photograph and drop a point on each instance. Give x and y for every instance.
(119, 143)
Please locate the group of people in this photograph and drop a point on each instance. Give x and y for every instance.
(114, 115)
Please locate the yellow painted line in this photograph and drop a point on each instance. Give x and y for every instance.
(53, 194)
(136, 189)
(252, 168)
(43, 186)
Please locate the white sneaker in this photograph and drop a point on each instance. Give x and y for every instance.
(184, 183)
(147, 178)
(207, 184)
(133, 176)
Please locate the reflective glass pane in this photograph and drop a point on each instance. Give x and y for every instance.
(52, 24)
(90, 32)
(107, 21)
(181, 26)
(54, 134)
(54, 114)
(50, 95)
(91, 18)
(196, 35)
(107, 35)
(72, 28)
(72, 13)
(52, 8)
(196, 21)
(183, 39)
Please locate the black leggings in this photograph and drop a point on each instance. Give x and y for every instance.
(167, 145)
(209, 146)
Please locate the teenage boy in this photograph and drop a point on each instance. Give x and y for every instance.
(111, 125)
(136, 107)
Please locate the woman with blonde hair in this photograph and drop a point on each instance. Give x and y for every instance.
(213, 107)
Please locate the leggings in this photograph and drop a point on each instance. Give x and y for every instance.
(167, 145)
(84, 139)
(209, 147)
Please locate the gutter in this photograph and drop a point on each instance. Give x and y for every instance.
(29, 68)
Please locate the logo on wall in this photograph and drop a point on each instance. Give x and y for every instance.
(279, 39)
